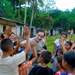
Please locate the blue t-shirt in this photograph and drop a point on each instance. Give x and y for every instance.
(54, 68)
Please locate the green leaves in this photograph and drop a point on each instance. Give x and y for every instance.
(41, 3)
(22, 1)
(6, 9)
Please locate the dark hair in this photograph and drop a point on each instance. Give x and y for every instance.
(47, 56)
(2, 36)
(64, 34)
(59, 49)
(13, 33)
(69, 57)
(40, 30)
(69, 42)
(59, 59)
(6, 44)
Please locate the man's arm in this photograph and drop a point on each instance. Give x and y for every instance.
(7, 32)
(71, 34)
(27, 37)
(33, 44)
(62, 45)
(17, 46)
(54, 48)
(23, 43)
(21, 57)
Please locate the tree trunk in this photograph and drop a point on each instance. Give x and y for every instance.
(19, 12)
(25, 13)
(32, 17)
(15, 8)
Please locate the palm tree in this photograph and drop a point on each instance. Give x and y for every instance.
(25, 8)
(34, 4)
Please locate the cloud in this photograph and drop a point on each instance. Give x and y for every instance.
(65, 4)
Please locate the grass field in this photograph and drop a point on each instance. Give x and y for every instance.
(50, 42)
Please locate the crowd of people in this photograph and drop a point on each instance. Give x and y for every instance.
(30, 56)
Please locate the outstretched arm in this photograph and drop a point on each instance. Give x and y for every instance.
(62, 45)
(71, 34)
(33, 44)
(17, 46)
(54, 48)
(27, 37)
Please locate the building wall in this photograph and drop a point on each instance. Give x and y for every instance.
(19, 30)
(33, 30)
(1, 28)
(14, 29)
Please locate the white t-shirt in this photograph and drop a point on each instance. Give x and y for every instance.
(57, 42)
(9, 65)
(1, 53)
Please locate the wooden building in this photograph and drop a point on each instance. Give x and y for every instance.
(17, 27)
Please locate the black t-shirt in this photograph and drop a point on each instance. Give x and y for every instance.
(14, 44)
(41, 71)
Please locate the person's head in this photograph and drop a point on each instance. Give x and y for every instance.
(59, 52)
(45, 57)
(12, 36)
(68, 45)
(39, 34)
(7, 46)
(64, 36)
(73, 49)
(68, 60)
(59, 62)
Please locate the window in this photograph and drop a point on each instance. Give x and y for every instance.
(4, 28)
(20, 31)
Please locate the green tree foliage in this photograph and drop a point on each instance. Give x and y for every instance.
(64, 20)
(41, 18)
(43, 21)
(6, 9)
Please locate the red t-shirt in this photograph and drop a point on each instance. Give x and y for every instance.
(59, 72)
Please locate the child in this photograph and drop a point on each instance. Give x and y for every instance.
(8, 64)
(57, 44)
(59, 52)
(67, 46)
(59, 65)
(24, 67)
(12, 37)
(68, 62)
(44, 59)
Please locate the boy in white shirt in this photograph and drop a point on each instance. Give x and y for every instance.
(8, 64)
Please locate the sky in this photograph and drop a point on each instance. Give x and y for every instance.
(65, 4)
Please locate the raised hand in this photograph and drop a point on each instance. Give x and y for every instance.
(26, 31)
(33, 44)
(72, 32)
(73, 46)
(8, 31)
(61, 41)
(18, 41)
